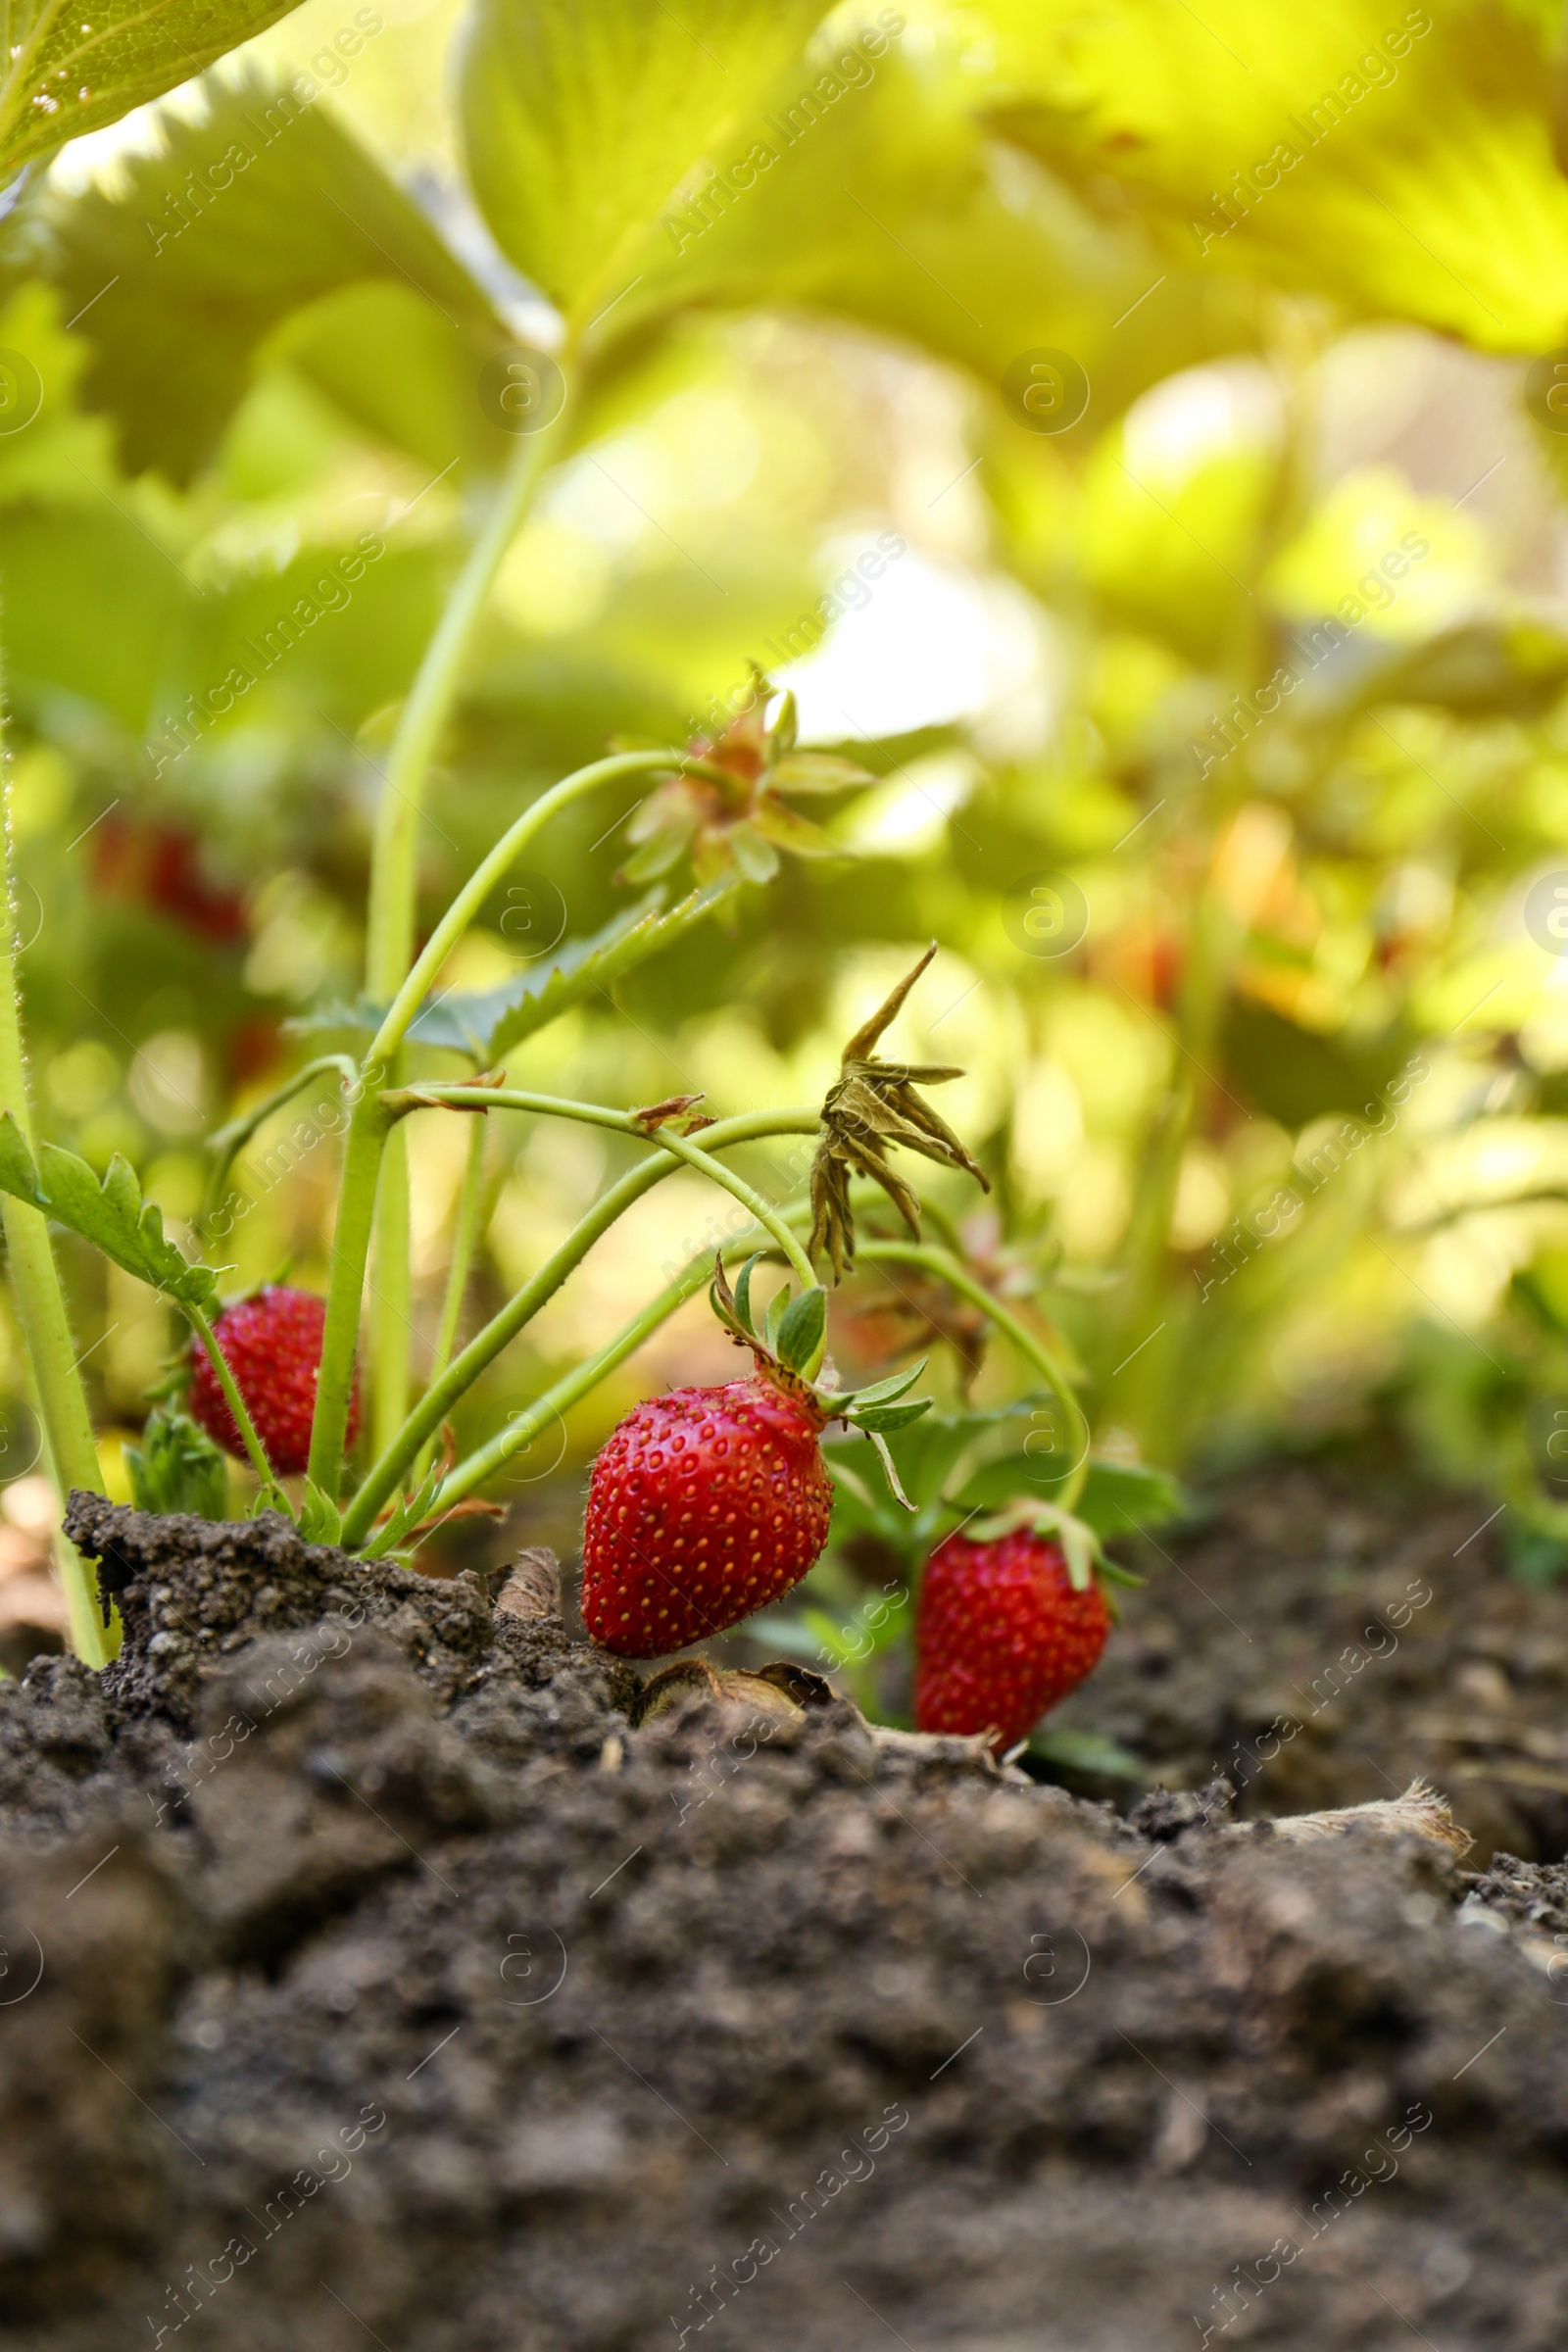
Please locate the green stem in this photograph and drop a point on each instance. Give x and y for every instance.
(481, 1350)
(556, 1402)
(42, 1313)
(393, 1300)
(626, 1122)
(464, 1242)
(231, 1396)
(394, 888)
(230, 1141)
(351, 1249)
(471, 896)
(391, 1308)
(1029, 1345)
(389, 941)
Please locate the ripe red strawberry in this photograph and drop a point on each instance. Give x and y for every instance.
(703, 1507)
(1002, 1635)
(271, 1343)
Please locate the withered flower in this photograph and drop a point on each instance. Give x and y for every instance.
(679, 1111)
(873, 1104)
(725, 807)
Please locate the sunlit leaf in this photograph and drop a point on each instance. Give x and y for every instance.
(178, 292)
(581, 122)
(889, 204)
(1397, 160)
(68, 72)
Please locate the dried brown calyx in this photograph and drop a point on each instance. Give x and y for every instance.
(874, 1104)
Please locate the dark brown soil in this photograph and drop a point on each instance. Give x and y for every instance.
(371, 1980)
(1325, 1639)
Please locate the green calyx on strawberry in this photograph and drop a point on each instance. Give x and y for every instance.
(705, 1505)
(1082, 1550)
(790, 1351)
(1012, 1616)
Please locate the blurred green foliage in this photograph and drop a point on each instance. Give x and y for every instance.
(1220, 729)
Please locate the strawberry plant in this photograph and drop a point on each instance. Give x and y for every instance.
(1289, 818)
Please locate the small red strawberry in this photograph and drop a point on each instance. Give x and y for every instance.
(1001, 1634)
(272, 1344)
(708, 1503)
(704, 1505)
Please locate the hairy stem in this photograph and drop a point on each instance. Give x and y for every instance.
(482, 1349)
(953, 1271)
(390, 1316)
(231, 1396)
(42, 1314)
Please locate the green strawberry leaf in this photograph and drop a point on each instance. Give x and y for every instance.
(112, 1216)
(1300, 145)
(580, 123)
(487, 1024)
(18, 1174)
(407, 1513)
(313, 246)
(883, 1392)
(928, 1455)
(63, 76)
(802, 1328)
(1117, 1497)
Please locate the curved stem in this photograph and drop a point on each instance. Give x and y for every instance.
(389, 943)
(555, 1401)
(231, 1396)
(736, 1186)
(361, 1166)
(394, 879)
(228, 1142)
(471, 896)
(482, 1349)
(594, 1114)
(957, 1277)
